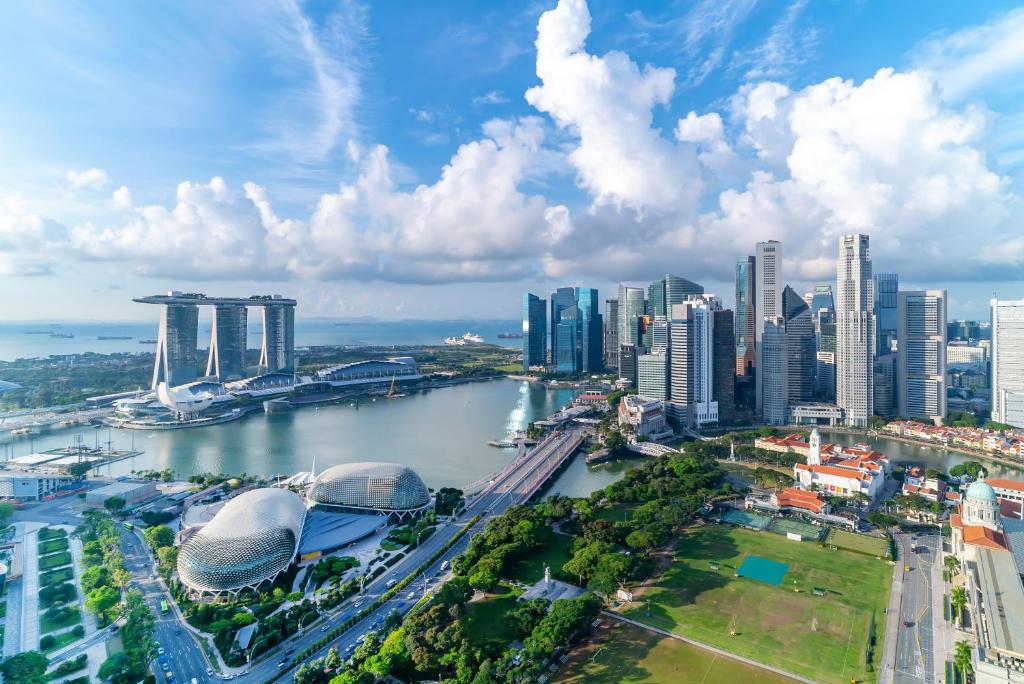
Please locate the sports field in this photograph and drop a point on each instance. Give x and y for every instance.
(623, 653)
(873, 546)
(825, 637)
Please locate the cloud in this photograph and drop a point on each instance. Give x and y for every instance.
(493, 97)
(90, 179)
(787, 46)
(122, 198)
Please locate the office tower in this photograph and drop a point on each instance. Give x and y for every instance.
(821, 299)
(628, 363)
(228, 337)
(593, 340)
(610, 323)
(645, 329)
(855, 330)
(535, 331)
(562, 298)
(652, 375)
(886, 381)
(659, 335)
(887, 285)
(177, 352)
(789, 357)
(691, 362)
(631, 308)
(768, 302)
(1008, 362)
(746, 315)
(664, 293)
(569, 340)
(825, 369)
(656, 298)
(277, 354)
(723, 364)
(921, 354)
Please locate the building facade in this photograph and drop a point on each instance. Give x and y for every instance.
(921, 354)
(653, 375)
(855, 331)
(561, 298)
(1007, 375)
(610, 322)
(746, 318)
(568, 351)
(592, 340)
(691, 358)
(788, 357)
(887, 286)
(228, 336)
(177, 351)
(768, 306)
(277, 355)
(535, 331)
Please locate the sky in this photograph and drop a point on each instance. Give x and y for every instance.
(436, 160)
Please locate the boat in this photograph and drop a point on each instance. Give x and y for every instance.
(62, 335)
(21, 431)
(113, 337)
(467, 338)
(147, 341)
(510, 336)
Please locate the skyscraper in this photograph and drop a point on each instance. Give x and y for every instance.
(593, 338)
(887, 285)
(855, 330)
(691, 360)
(569, 340)
(535, 331)
(610, 323)
(1008, 361)
(228, 338)
(789, 357)
(652, 375)
(631, 308)
(562, 298)
(746, 315)
(177, 352)
(825, 369)
(821, 298)
(723, 366)
(628, 363)
(768, 271)
(662, 294)
(277, 354)
(921, 354)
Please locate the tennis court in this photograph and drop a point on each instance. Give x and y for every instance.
(789, 525)
(746, 519)
(763, 570)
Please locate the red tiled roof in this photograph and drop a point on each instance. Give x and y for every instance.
(836, 471)
(983, 536)
(1009, 509)
(794, 497)
(1000, 483)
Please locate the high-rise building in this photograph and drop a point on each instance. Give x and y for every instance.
(789, 358)
(535, 331)
(886, 382)
(746, 315)
(691, 362)
(593, 339)
(610, 323)
(887, 285)
(277, 355)
(825, 369)
(855, 330)
(631, 309)
(768, 272)
(723, 364)
(664, 293)
(627, 363)
(569, 340)
(177, 351)
(652, 375)
(659, 335)
(1008, 361)
(921, 354)
(228, 337)
(562, 298)
(821, 299)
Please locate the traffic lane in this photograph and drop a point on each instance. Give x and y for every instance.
(910, 661)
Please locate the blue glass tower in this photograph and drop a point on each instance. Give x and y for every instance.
(535, 331)
(568, 349)
(592, 343)
(562, 298)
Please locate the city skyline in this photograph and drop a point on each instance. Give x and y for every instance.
(351, 195)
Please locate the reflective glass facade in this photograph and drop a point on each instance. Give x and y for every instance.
(745, 316)
(387, 487)
(535, 331)
(227, 342)
(177, 351)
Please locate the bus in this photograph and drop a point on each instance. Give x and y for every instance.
(128, 526)
(163, 606)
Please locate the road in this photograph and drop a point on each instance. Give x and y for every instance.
(915, 643)
(515, 484)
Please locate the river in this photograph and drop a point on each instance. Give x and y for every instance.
(928, 456)
(442, 434)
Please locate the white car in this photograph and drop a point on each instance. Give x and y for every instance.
(411, 596)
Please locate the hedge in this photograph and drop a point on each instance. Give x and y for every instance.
(55, 560)
(56, 576)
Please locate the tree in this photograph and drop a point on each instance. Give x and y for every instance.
(6, 512)
(958, 600)
(455, 591)
(25, 668)
(642, 539)
(962, 659)
(483, 579)
(167, 559)
(102, 599)
(79, 470)
(114, 504)
(952, 564)
(116, 668)
(159, 536)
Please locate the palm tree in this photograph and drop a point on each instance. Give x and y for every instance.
(952, 564)
(962, 660)
(958, 599)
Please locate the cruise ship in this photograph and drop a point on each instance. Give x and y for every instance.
(468, 338)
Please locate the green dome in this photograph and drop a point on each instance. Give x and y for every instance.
(981, 491)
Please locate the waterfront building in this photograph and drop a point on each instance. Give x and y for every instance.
(377, 371)
(177, 353)
(568, 350)
(847, 472)
(610, 323)
(132, 492)
(628, 363)
(228, 336)
(988, 543)
(825, 357)
(645, 414)
(691, 362)
(387, 488)
(652, 375)
(1008, 361)
(25, 485)
(277, 354)
(887, 286)
(855, 331)
(921, 354)
(562, 298)
(535, 331)
(789, 358)
(746, 315)
(592, 339)
(768, 306)
(886, 382)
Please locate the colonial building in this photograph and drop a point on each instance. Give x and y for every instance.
(847, 471)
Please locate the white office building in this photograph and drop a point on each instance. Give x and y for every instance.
(921, 354)
(691, 391)
(768, 298)
(855, 331)
(1008, 362)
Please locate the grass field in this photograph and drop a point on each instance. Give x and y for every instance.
(53, 546)
(50, 533)
(486, 619)
(872, 546)
(623, 653)
(61, 640)
(822, 637)
(54, 560)
(47, 579)
(554, 554)
(47, 624)
(616, 513)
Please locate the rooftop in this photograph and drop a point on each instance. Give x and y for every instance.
(202, 300)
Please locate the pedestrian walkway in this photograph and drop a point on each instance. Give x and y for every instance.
(91, 623)
(30, 595)
(892, 622)
(15, 593)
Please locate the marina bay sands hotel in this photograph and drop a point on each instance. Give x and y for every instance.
(177, 353)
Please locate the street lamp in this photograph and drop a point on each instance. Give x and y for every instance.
(248, 656)
(312, 611)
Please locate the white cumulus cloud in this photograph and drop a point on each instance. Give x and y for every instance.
(92, 179)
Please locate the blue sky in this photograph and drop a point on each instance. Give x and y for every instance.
(436, 159)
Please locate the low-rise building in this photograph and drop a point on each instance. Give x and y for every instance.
(24, 485)
(132, 491)
(646, 416)
(794, 498)
(846, 471)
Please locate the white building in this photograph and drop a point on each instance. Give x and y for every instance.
(842, 472)
(921, 354)
(1008, 362)
(652, 375)
(768, 298)
(646, 415)
(691, 391)
(23, 485)
(966, 354)
(855, 331)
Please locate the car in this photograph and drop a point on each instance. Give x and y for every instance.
(325, 628)
(908, 623)
(168, 676)
(411, 595)
(209, 671)
(282, 662)
(160, 650)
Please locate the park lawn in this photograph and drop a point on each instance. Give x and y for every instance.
(47, 579)
(62, 640)
(47, 625)
(54, 560)
(486, 619)
(554, 554)
(872, 546)
(53, 546)
(623, 653)
(822, 637)
(615, 513)
(51, 533)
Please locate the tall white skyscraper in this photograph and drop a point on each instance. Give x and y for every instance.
(855, 331)
(921, 354)
(768, 299)
(1008, 362)
(691, 360)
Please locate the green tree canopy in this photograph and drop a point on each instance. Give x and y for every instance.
(25, 668)
(159, 536)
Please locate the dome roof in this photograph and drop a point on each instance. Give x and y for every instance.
(981, 491)
(378, 486)
(251, 539)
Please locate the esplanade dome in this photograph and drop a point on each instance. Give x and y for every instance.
(384, 487)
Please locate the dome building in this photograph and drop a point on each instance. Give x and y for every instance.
(252, 539)
(387, 488)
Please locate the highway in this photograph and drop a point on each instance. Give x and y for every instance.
(515, 484)
(914, 644)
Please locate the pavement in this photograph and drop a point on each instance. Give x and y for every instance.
(920, 608)
(12, 623)
(30, 593)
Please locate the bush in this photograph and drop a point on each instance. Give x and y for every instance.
(55, 560)
(55, 577)
(47, 642)
(50, 533)
(69, 666)
(59, 593)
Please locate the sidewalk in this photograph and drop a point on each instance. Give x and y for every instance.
(15, 599)
(892, 622)
(91, 625)
(30, 593)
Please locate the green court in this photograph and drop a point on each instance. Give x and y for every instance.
(791, 525)
(763, 570)
(745, 519)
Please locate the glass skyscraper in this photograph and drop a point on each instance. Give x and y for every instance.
(746, 317)
(610, 323)
(593, 338)
(569, 340)
(535, 331)
(921, 354)
(887, 286)
(562, 298)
